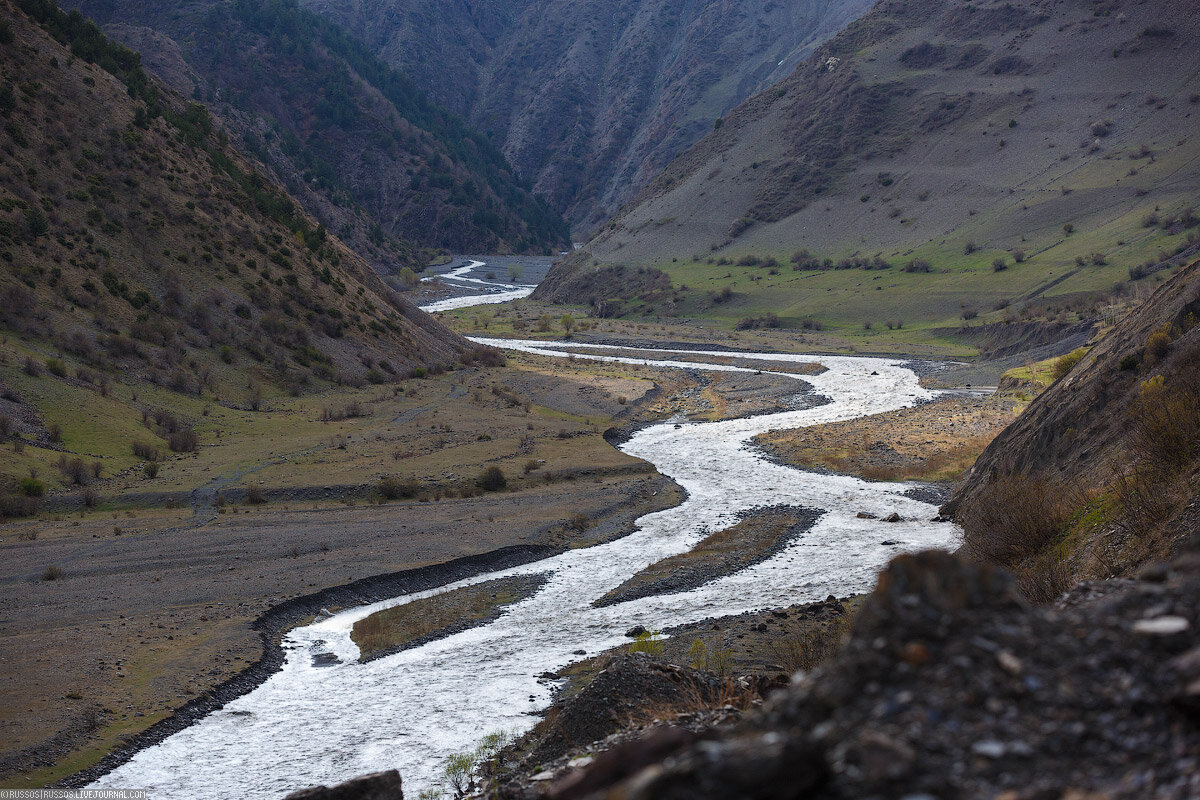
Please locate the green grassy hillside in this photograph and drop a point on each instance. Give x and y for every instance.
(936, 163)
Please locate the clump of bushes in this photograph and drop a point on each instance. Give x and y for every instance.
(722, 296)
(1064, 364)
(351, 410)
(146, 452)
(393, 488)
(492, 479)
(1014, 522)
(1158, 344)
(768, 320)
(183, 441)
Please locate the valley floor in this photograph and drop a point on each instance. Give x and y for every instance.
(154, 594)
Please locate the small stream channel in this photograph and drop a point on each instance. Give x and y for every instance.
(311, 724)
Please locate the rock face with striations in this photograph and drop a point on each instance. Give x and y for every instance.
(590, 99)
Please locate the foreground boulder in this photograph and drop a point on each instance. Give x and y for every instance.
(952, 687)
(376, 786)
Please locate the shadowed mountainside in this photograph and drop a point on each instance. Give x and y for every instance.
(356, 142)
(138, 243)
(591, 99)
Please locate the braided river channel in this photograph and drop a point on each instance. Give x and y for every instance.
(309, 724)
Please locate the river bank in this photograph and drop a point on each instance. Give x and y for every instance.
(549, 629)
(184, 621)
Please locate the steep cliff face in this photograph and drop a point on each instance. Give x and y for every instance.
(357, 143)
(591, 99)
(1095, 477)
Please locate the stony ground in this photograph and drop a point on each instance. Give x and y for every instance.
(696, 676)
(934, 441)
(757, 537)
(950, 686)
(413, 624)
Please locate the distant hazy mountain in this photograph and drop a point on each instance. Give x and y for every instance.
(360, 146)
(591, 98)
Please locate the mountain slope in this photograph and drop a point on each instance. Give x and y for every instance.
(1099, 475)
(358, 144)
(591, 99)
(952, 133)
(145, 267)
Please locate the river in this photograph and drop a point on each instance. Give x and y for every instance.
(475, 291)
(310, 724)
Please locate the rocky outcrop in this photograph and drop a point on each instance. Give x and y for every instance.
(605, 705)
(1080, 427)
(1089, 481)
(577, 280)
(376, 786)
(952, 687)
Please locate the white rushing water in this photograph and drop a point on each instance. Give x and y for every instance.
(492, 291)
(308, 725)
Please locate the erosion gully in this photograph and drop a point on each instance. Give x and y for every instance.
(324, 717)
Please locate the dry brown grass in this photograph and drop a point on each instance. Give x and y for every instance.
(696, 699)
(806, 648)
(948, 463)
(1018, 517)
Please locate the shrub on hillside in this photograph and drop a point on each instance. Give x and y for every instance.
(768, 320)
(184, 441)
(492, 479)
(1166, 420)
(1064, 364)
(146, 452)
(393, 488)
(1017, 517)
(1158, 344)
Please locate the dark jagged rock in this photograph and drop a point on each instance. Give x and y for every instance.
(376, 786)
(952, 687)
(604, 706)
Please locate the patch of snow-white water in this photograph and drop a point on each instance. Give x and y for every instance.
(490, 291)
(309, 724)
